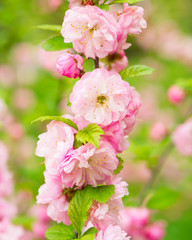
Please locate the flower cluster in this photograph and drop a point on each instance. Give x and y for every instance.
(100, 98)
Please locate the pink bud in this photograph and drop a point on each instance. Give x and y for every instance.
(69, 65)
(158, 131)
(155, 231)
(175, 94)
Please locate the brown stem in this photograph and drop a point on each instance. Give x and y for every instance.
(96, 62)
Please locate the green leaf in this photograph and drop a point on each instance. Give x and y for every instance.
(88, 237)
(55, 28)
(162, 198)
(127, 1)
(136, 70)
(57, 118)
(60, 232)
(91, 231)
(88, 65)
(78, 209)
(101, 193)
(185, 83)
(104, 7)
(120, 166)
(90, 134)
(76, 144)
(56, 44)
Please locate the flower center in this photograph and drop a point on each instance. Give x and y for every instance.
(101, 99)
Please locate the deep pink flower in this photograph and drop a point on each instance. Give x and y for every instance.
(54, 144)
(69, 65)
(93, 31)
(102, 97)
(88, 165)
(175, 94)
(182, 138)
(155, 231)
(112, 233)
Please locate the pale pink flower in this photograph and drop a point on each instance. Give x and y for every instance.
(23, 99)
(7, 210)
(93, 31)
(6, 184)
(69, 65)
(182, 138)
(112, 233)
(175, 94)
(115, 62)
(88, 165)
(101, 215)
(9, 231)
(102, 97)
(131, 21)
(158, 131)
(54, 144)
(54, 4)
(57, 210)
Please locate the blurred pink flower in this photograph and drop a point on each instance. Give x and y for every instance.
(9, 231)
(93, 31)
(175, 94)
(158, 131)
(69, 65)
(23, 98)
(182, 138)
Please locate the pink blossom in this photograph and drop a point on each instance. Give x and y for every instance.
(102, 97)
(93, 31)
(182, 138)
(75, 3)
(136, 222)
(131, 21)
(7, 210)
(88, 165)
(3, 155)
(115, 62)
(69, 65)
(175, 94)
(54, 144)
(101, 215)
(112, 233)
(57, 210)
(9, 231)
(158, 131)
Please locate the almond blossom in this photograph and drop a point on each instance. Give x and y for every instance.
(102, 97)
(93, 31)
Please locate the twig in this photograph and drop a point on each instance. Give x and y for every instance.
(96, 62)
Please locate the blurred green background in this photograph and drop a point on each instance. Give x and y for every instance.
(30, 88)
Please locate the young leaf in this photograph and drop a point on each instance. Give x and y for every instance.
(120, 166)
(55, 28)
(60, 232)
(91, 231)
(56, 44)
(57, 118)
(101, 193)
(90, 134)
(88, 237)
(88, 65)
(185, 84)
(127, 1)
(78, 209)
(162, 199)
(136, 70)
(104, 7)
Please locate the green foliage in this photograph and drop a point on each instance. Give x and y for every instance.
(54, 28)
(120, 166)
(136, 70)
(88, 237)
(60, 232)
(104, 7)
(162, 199)
(127, 1)
(186, 84)
(57, 118)
(90, 231)
(101, 193)
(56, 43)
(78, 209)
(88, 65)
(90, 134)
(23, 220)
